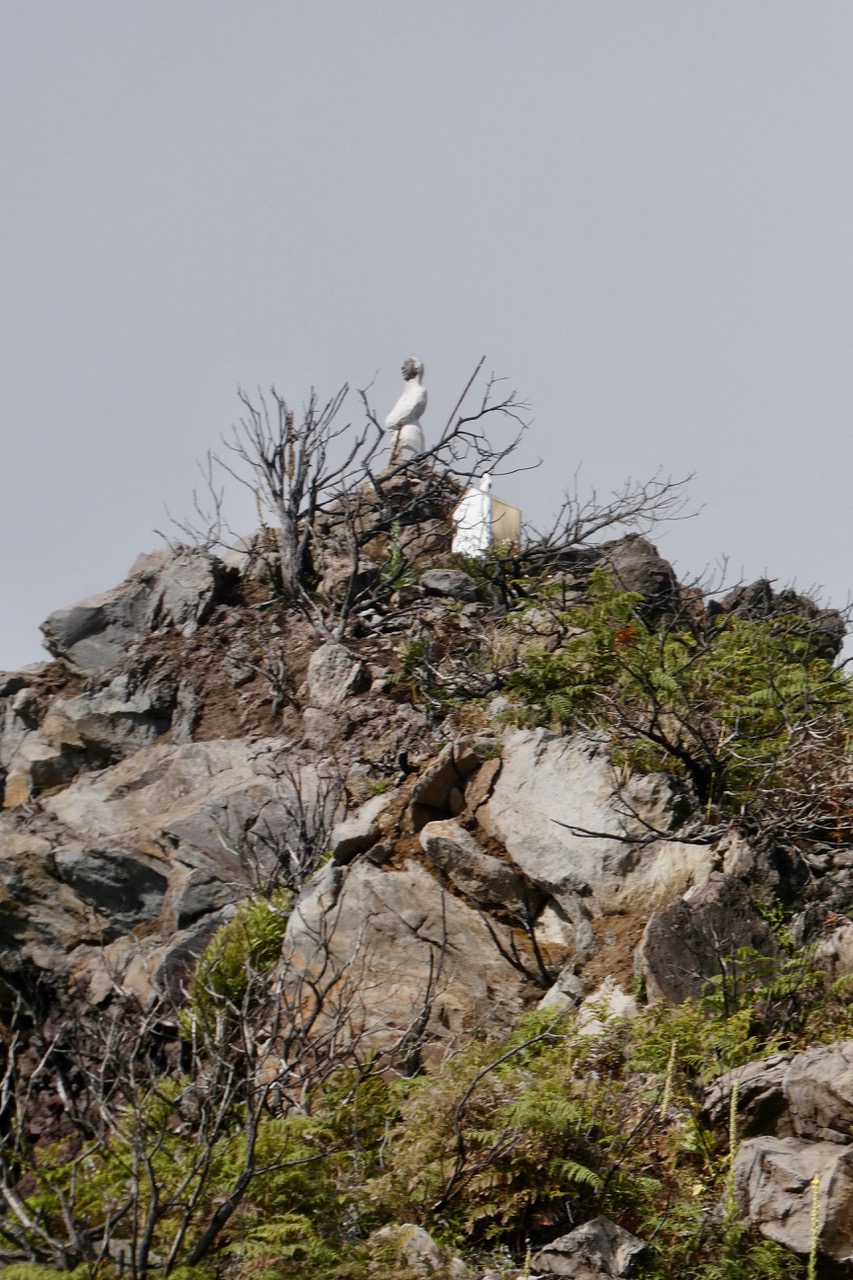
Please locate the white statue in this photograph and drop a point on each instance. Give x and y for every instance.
(405, 418)
(472, 520)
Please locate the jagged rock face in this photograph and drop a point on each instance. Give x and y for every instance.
(758, 602)
(170, 836)
(163, 590)
(558, 808)
(397, 948)
(689, 942)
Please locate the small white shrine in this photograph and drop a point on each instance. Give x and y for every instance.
(480, 520)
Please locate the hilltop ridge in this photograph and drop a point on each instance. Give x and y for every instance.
(434, 839)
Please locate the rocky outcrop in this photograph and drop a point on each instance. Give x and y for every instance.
(774, 1186)
(399, 951)
(692, 942)
(166, 838)
(445, 871)
(164, 589)
(568, 823)
(758, 602)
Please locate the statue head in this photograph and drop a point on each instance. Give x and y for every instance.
(412, 368)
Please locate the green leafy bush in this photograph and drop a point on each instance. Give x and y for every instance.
(747, 711)
(249, 944)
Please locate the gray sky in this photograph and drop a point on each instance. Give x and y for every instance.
(640, 210)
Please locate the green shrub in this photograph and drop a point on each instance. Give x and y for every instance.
(247, 946)
(745, 710)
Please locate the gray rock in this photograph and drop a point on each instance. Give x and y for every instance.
(398, 942)
(335, 674)
(41, 918)
(637, 566)
(37, 765)
(107, 725)
(596, 1250)
(481, 877)
(440, 789)
(124, 888)
(199, 894)
(188, 708)
(566, 993)
(818, 1086)
(773, 1187)
(449, 582)
(417, 1252)
(552, 801)
(359, 831)
(143, 965)
(607, 1004)
(163, 590)
(136, 801)
(690, 942)
(93, 635)
(761, 1104)
(336, 574)
(834, 954)
(184, 588)
(11, 682)
(565, 927)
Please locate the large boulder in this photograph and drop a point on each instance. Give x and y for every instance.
(805, 1095)
(761, 1104)
(696, 939)
(636, 565)
(393, 951)
(164, 589)
(162, 841)
(774, 1188)
(568, 823)
(596, 1250)
(818, 1086)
